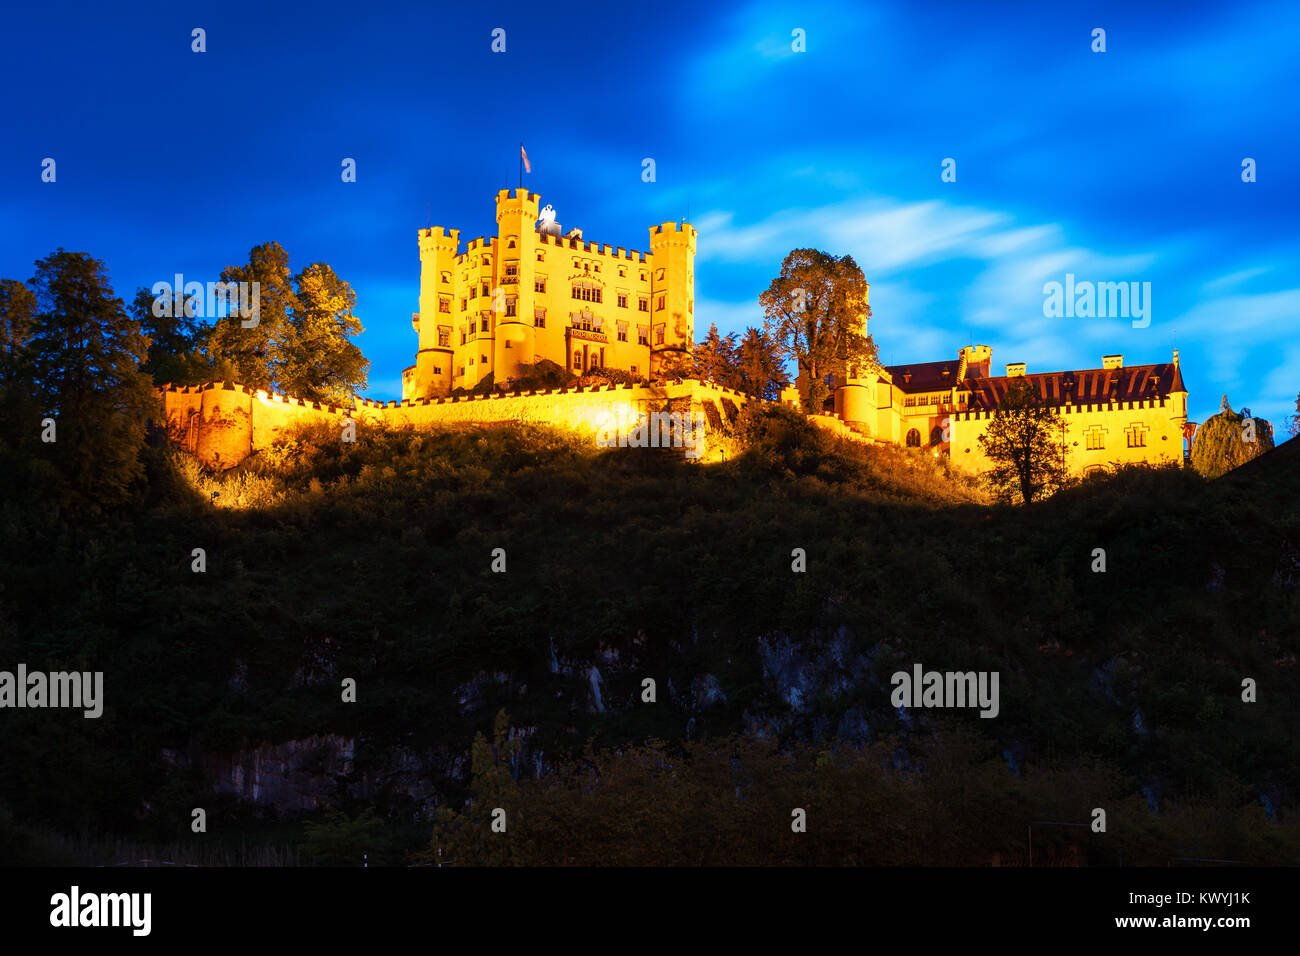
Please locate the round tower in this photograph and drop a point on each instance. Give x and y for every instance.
(434, 323)
(514, 341)
(672, 292)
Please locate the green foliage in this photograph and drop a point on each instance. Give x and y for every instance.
(1228, 440)
(339, 840)
(1025, 445)
(85, 353)
(257, 354)
(320, 361)
(816, 315)
(176, 339)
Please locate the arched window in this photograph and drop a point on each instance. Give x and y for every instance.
(913, 439)
(936, 436)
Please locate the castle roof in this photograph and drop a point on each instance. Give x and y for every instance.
(1085, 386)
(932, 376)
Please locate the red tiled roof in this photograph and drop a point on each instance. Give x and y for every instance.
(1085, 386)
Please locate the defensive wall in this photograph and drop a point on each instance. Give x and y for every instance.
(222, 423)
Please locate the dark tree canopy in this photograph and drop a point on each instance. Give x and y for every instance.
(85, 377)
(1025, 445)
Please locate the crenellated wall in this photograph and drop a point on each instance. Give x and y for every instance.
(222, 423)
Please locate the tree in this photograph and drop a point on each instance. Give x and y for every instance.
(86, 355)
(759, 370)
(337, 840)
(1025, 442)
(816, 315)
(714, 357)
(175, 338)
(256, 352)
(17, 313)
(1228, 440)
(318, 361)
(1294, 424)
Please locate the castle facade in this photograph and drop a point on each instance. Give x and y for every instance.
(1112, 415)
(532, 292)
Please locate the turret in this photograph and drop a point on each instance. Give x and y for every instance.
(435, 322)
(516, 271)
(672, 291)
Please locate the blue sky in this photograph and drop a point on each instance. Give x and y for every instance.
(1115, 166)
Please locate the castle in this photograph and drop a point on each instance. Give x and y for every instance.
(1112, 415)
(533, 293)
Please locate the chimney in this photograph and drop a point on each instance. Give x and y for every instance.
(1015, 369)
(1112, 361)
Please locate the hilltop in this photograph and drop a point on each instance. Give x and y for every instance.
(373, 561)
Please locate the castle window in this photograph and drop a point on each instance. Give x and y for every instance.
(659, 303)
(539, 318)
(586, 267)
(461, 370)
(586, 291)
(446, 277)
(909, 401)
(622, 331)
(659, 275)
(577, 360)
(444, 303)
(643, 277)
(471, 360)
(510, 243)
(483, 324)
(541, 256)
(444, 337)
(913, 439)
(508, 345)
(622, 300)
(464, 304)
(487, 260)
(643, 304)
(1137, 437)
(622, 273)
(437, 370)
(643, 334)
(463, 337)
(633, 369)
(484, 290)
(512, 272)
(1096, 439)
(539, 284)
(482, 359)
(659, 335)
(510, 306)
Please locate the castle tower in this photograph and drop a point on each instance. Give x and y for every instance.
(516, 260)
(672, 292)
(435, 321)
(855, 394)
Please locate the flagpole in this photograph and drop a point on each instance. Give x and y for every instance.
(521, 164)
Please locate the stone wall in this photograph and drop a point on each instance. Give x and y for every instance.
(222, 423)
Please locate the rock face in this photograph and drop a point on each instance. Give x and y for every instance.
(1228, 440)
(811, 688)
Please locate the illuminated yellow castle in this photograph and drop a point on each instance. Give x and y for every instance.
(533, 292)
(1112, 415)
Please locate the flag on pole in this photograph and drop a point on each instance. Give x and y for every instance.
(528, 168)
